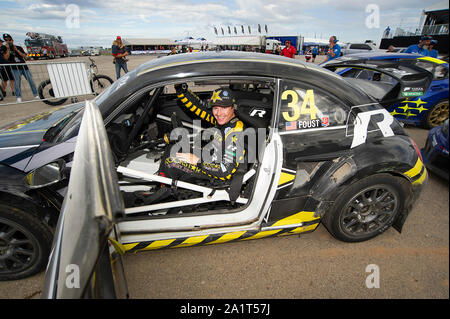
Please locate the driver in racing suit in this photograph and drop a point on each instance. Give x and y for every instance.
(226, 145)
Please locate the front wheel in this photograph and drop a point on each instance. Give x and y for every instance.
(100, 82)
(366, 208)
(437, 115)
(25, 243)
(45, 91)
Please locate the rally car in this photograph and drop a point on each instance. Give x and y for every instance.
(435, 154)
(427, 108)
(319, 150)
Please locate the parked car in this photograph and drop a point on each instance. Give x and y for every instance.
(350, 48)
(427, 108)
(400, 49)
(435, 153)
(327, 152)
(75, 53)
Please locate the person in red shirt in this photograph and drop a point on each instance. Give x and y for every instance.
(288, 51)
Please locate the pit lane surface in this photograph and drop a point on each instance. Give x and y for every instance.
(414, 264)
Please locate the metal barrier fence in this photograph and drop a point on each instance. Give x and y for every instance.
(431, 30)
(52, 82)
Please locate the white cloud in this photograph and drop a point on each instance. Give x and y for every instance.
(176, 19)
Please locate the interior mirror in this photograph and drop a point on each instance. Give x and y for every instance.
(46, 175)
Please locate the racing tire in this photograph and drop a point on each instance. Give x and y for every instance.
(437, 115)
(45, 91)
(366, 208)
(100, 83)
(25, 243)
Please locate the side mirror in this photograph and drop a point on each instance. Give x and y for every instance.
(46, 175)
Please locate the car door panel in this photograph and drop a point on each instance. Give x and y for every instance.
(94, 183)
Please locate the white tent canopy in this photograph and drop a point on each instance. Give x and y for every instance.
(193, 42)
(239, 40)
(314, 41)
(148, 41)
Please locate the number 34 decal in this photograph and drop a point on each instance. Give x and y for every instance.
(360, 126)
(297, 110)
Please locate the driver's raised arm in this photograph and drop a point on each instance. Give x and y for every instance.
(193, 103)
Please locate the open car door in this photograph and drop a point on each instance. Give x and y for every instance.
(388, 82)
(80, 264)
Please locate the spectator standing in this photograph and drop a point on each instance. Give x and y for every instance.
(308, 54)
(17, 56)
(5, 71)
(334, 50)
(421, 47)
(119, 53)
(314, 52)
(277, 50)
(288, 51)
(173, 51)
(432, 52)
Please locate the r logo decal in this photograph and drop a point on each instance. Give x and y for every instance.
(362, 124)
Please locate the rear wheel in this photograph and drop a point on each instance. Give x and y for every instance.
(366, 208)
(25, 243)
(437, 115)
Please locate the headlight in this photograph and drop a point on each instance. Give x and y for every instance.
(46, 175)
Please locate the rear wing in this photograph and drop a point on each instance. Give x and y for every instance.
(406, 79)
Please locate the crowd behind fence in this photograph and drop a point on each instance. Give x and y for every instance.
(27, 82)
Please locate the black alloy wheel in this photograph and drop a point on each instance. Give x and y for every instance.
(366, 208)
(25, 243)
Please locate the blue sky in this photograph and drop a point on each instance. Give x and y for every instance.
(100, 21)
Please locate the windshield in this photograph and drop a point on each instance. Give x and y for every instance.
(369, 75)
(34, 43)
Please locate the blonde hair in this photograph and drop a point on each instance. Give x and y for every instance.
(115, 42)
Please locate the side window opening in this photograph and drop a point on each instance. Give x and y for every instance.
(148, 149)
(305, 108)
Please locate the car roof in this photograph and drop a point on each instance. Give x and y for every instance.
(199, 58)
(234, 64)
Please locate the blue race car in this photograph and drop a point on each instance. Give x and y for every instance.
(435, 153)
(428, 109)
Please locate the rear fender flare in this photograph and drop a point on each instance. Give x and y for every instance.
(339, 177)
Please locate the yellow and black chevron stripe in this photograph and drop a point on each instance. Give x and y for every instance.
(287, 177)
(288, 226)
(418, 173)
(189, 100)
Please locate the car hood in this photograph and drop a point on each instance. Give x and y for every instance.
(30, 131)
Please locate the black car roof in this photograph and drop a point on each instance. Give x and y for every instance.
(201, 59)
(233, 63)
